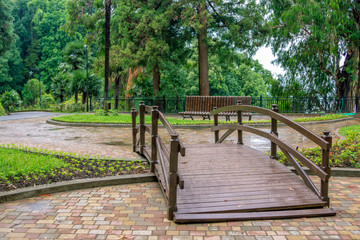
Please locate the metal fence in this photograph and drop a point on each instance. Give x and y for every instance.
(285, 104)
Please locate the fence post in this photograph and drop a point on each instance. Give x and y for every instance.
(261, 103)
(325, 166)
(294, 104)
(239, 120)
(142, 126)
(274, 131)
(216, 123)
(173, 176)
(134, 129)
(356, 103)
(154, 135)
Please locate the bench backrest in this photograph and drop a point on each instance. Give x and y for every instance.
(207, 103)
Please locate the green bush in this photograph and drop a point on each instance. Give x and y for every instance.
(47, 100)
(10, 100)
(344, 153)
(70, 106)
(2, 110)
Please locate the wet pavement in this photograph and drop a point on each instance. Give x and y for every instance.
(138, 212)
(31, 129)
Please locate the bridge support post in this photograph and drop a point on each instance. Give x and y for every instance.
(133, 126)
(142, 127)
(274, 131)
(324, 186)
(173, 176)
(154, 135)
(239, 120)
(216, 123)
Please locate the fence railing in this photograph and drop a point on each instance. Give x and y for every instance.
(285, 104)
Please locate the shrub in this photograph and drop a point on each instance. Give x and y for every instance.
(344, 153)
(47, 100)
(2, 110)
(10, 100)
(70, 106)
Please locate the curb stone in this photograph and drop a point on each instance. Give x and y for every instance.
(29, 192)
(70, 124)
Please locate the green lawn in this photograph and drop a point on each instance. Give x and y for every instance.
(23, 167)
(126, 119)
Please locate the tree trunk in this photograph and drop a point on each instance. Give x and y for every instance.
(107, 50)
(83, 100)
(156, 79)
(203, 53)
(117, 91)
(76, 97)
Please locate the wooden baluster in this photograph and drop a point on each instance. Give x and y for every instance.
(133, 125)
(239, 119)
(142, 126)
(154, 135)
(274, 131)
(173, 176)
(325, 166)
(216, 123)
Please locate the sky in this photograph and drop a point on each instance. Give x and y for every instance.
(265, 57)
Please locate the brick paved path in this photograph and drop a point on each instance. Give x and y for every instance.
(138, 211)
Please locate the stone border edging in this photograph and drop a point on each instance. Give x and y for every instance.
(29, 192)
(70, 124)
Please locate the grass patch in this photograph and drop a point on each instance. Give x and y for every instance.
(126, 119)
(349, 129)
(23, 167)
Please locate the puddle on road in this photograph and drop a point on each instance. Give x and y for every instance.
(53, 129)
(71, 139)
(117, 143)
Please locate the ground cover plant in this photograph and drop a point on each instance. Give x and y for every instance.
(24, 167)
(344, 153)
(345, 130)
(126, 119)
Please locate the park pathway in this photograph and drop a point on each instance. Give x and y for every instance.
(31, 129)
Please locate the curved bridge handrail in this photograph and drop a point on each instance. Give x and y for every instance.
(314, 168)
(307, 133)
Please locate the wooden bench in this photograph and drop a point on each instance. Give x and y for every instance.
(203, 105)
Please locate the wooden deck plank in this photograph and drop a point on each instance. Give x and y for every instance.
(235, 178)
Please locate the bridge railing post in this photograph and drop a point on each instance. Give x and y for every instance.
(239, 120)
(133, 126)
(274, 131)
(142, 126)
(216, 123)
(173, 176)
(324, 185)
(154, 135)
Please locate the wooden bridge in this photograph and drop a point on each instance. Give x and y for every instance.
(224, 182)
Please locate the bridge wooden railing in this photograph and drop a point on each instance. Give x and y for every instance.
(291, 154)
(163, 161)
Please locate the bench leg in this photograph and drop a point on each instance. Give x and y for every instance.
(249, 118)
(206, 117)
(227, 118)
(185, 116)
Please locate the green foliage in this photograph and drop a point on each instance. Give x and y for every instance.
(10, 100)
(6, 26)
(31, 92)
(344, 153)
(47, 100)
(17, 163)
(2, 110)
(349, 129)
(70, 106)
(23, 166)
(309, 39)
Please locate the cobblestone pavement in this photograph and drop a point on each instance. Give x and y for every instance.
(116, 142)
(138, 211)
